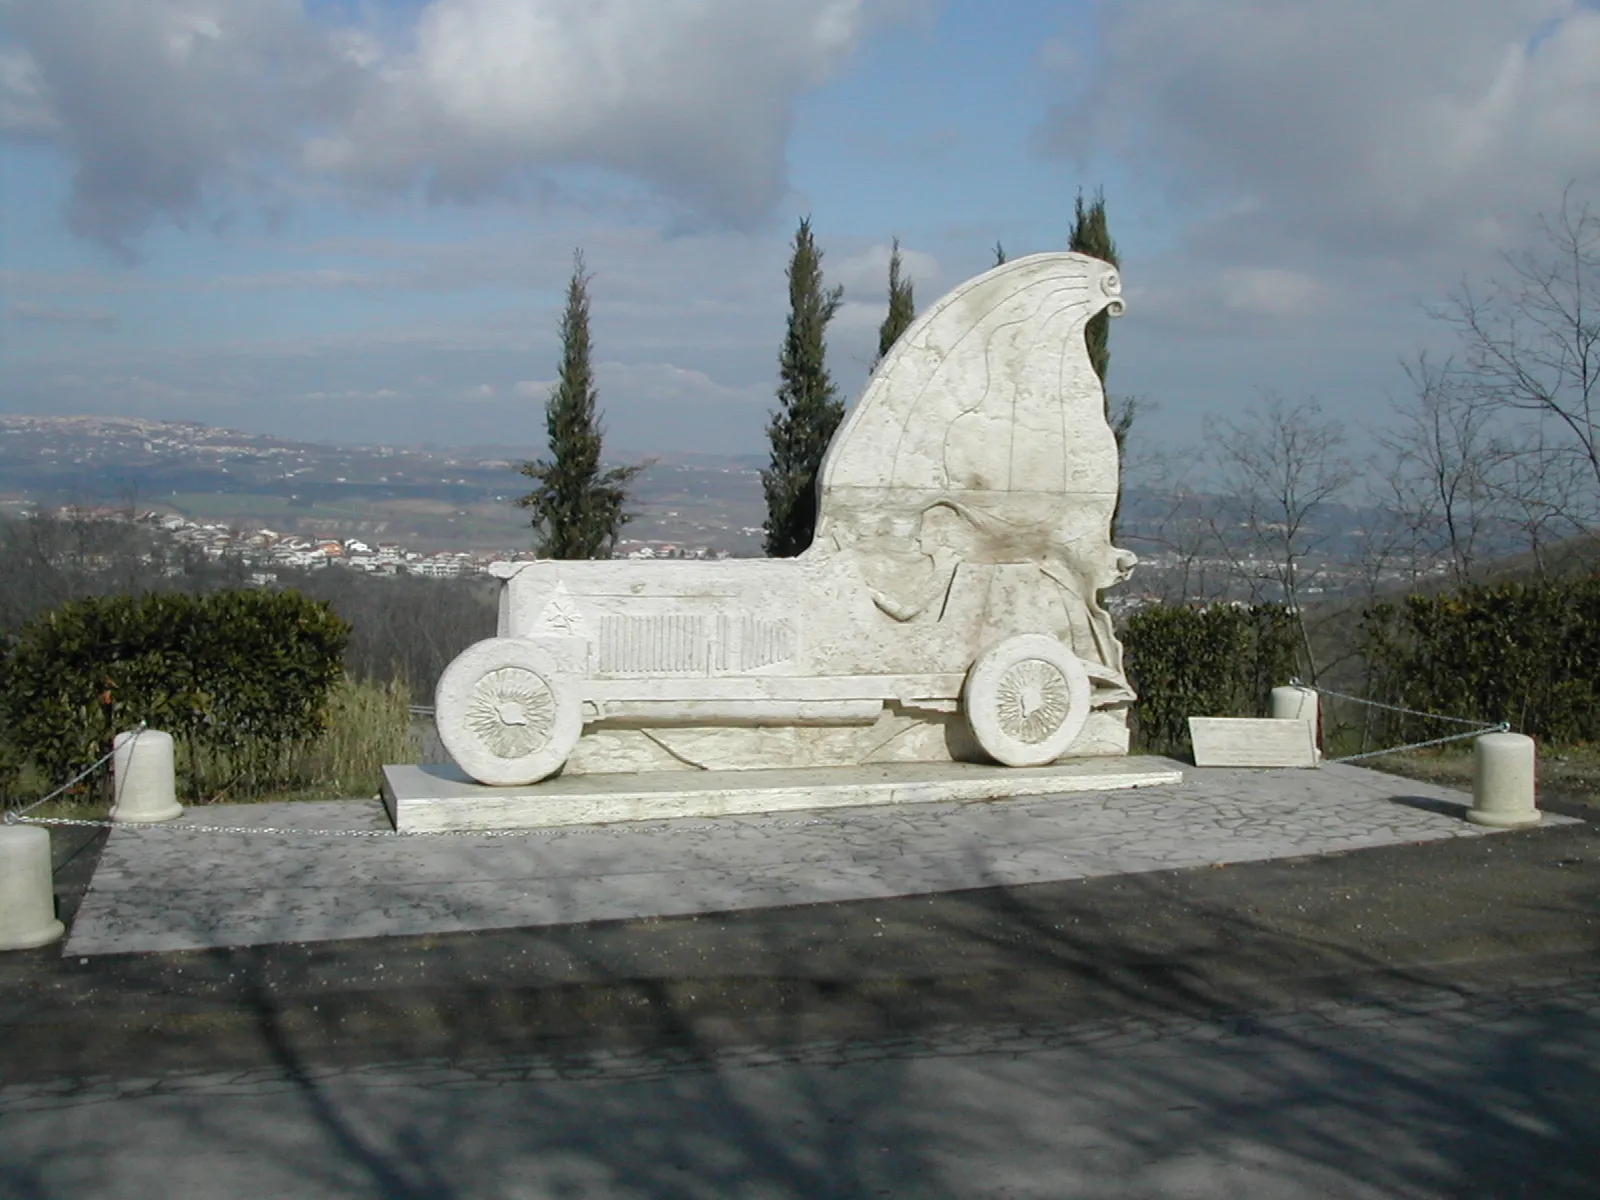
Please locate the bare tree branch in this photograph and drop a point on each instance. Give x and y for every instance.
(1282, 463)
(1439, 468)
(1531, 355)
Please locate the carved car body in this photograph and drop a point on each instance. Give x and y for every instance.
(948, 606)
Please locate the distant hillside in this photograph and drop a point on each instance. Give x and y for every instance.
(439, 497)
(1570, 558)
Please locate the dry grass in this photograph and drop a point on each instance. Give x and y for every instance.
(368, 725)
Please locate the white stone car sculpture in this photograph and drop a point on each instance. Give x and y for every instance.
(948, 608)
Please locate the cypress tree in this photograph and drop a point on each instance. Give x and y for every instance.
(578, 509)
(809, 409)
(1090, 235)
(902, 306)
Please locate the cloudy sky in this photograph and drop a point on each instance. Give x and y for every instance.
(353, 220)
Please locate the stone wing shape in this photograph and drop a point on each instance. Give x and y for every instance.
(990, 391)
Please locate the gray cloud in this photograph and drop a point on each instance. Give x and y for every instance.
(181, 110)
(693, 95)
(866, 273)
(169, 109)
(1326, 171)
(686, 333)
(23, 108)
(1365, 129)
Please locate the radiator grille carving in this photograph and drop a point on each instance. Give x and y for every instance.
(654, 645)
(691, 644)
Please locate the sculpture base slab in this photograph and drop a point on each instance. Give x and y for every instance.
(442, 797)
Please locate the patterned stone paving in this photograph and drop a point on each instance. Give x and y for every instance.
(169, 887)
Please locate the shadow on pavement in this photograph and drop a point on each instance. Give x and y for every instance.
(1392, 1022)
(1432, 804)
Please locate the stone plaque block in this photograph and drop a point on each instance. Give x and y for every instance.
(1252, 742)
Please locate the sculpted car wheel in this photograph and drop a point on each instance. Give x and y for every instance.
(507, 713)
(1027, 700)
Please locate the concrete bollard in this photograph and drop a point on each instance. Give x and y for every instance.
(144, 777)
(1299, 704)
(1294, 704)
(1502, 781)
(27, 894)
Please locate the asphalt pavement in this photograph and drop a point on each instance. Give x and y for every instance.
(1399, 1020)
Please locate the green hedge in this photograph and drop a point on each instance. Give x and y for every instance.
(231, 671)
(1529, 655)
(1219, 661)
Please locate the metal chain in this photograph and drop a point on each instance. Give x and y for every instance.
(20, 815)
(271, 829)
(633, 827)
(1479, 728)
(1410, 712)
(1454, 737)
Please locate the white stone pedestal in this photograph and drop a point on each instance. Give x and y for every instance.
(439, 797)
(145, 780)
(1503, 781)
(27, 895)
